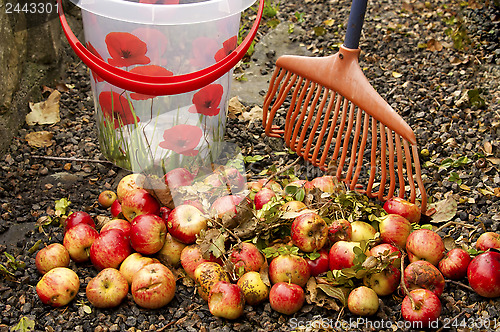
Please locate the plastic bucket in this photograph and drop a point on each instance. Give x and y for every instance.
(161, 76)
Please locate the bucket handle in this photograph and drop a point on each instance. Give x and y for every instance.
(159, 85)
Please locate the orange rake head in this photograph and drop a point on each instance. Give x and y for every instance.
(334, 111)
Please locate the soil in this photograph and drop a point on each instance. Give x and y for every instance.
(435, 62)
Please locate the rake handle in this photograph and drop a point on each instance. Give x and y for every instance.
(355, 24)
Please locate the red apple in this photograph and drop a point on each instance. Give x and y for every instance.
(254, 186)
(78, 217)
(58, 286)
(78, 240)
(397, 205)
(246, 257)
(153, 286)
(170, 253)
(107, 289)
(422, 274)
(488, 240)
(342, 255)
(178, 177)
(325, 183)
(286, 298)
(129, 183)
(384, 282)
(120, 224)
(185, 222)
(253, 287)
(339, 230)
(196, 203)
(147, 234)
(133, 263)
(262, 197)
(191, 257)
(309, 232)
(362, 231)
(426, 311)
(116, 209)
(289, 268)
(106, 198)
(320, 264)
(138, 202)
(384, 249)
(53, 255)
(234, 179)
(483, 274)
(225, 204)
(206, 275)
(226, 300)
(454, 264)
(394, 229)
(424, 244)
(109, 249)
(362, 301)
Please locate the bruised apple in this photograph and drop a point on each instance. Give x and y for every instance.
(206, 275)
(107, 289)
(342, 254)
(362, 301)
(153, 286)
(246, 257)
(253, 287)
(58, 287)
(309, 232)
(133, 263)
(422, 274)
(191, 257)
(226, 300)
(339, 230)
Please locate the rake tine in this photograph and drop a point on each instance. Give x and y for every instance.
(321, 107)
(423, 193)
(383, 161)
(310, 114)
(346, 139)
(293, 105)
(400, 166)
(409, 172)
(361, 150)
(373, 159)
(283, 92)
(352, 157)
(293, 113)
(333, 124)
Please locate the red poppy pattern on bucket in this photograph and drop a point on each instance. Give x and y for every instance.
(203, 50)
(126, 49)
(117, 109)
(206, 101)
(182, 139)
(149, 70)
(227, 47)
(92, 50)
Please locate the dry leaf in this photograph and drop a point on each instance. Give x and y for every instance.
(255, 114)
(40, 139)
(395, 74)
(488, 148)
(45, 112)
(234, 108)
(329, 22)
(445, 210)
(315, 295)
(434, 45)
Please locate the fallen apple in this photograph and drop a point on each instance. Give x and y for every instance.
(170, 253)
(488, 240)
(325, 183)
(262, 197)
(138, 202)
(78, 217)
(107, 289)
(309, 232)
(52, 256)
(362, 301)
(185, 222)
(293, 206)
(394, 229)
(319, 265)
(286, 298)
(120, 224)
(153, 286)
(339, 230)
(245, 257)
(147, 234)
(115, 209)
(109, 249)
(58, 286)
(422, 274)
(483, 274)
(178, 177)
(424, 244)
(106, 198)
(191, 257)
(397, 205)
(454, 264)
(226, 300)
(362, 231)
(129, 183)
(206, 275)
(342, 255)
(384, 282)
(289, 268)
(132, 264)
(426, 311)
(78, 240)
(253, 287)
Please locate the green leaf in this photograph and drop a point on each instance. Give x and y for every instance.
(313, 255)
(62, 206)
(87, 309)
(25, 324)
(252, 159)
(35, 247)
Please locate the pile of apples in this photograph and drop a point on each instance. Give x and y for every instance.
(146, 247)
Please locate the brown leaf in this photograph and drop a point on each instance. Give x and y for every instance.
(434, 45)
(45, 112)
(235, 108)
(315, 295)
(445, 210)
(159, 190)
(264, 274)
(40, 139)
(255, 114)
(212, 242)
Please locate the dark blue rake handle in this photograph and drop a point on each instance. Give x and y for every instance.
(355, 23)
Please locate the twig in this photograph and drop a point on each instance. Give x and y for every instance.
(454, 223)
(283, 170)
(73, 159)
(402, 281)
(236, 237)
(458, 283)
(451, 321)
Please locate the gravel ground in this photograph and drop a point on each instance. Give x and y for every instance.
(435, 62)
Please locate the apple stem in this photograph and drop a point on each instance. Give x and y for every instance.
(403, 285)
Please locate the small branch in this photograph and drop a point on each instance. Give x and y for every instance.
(449, 223)
(402, 281)
(458, 283)
(236, 237)
(451, 321)
(283, 170)
(73, 159)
